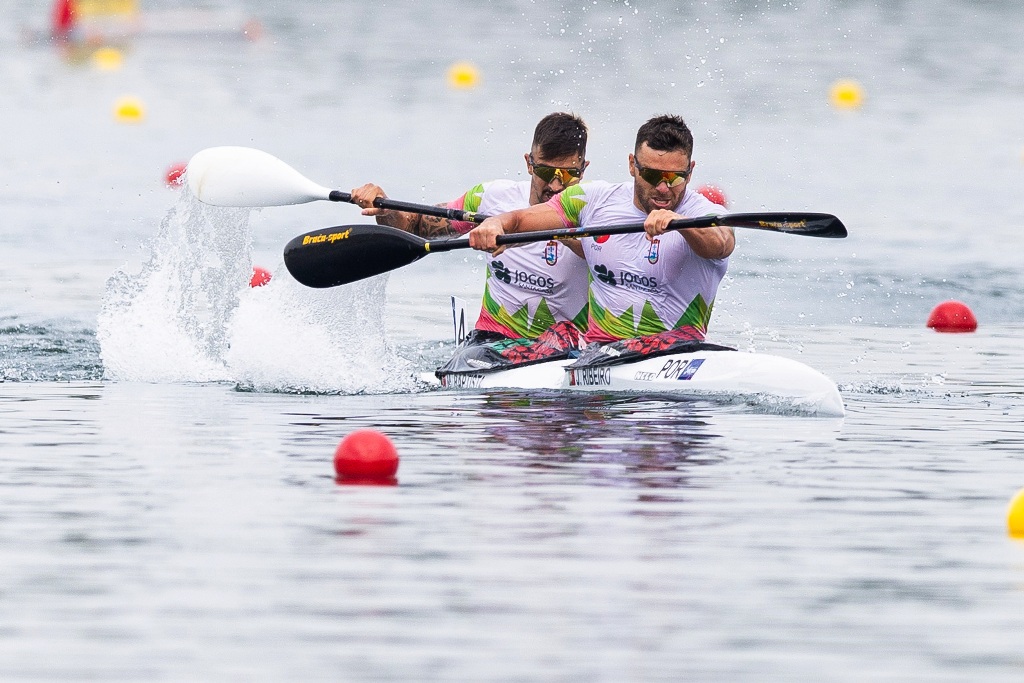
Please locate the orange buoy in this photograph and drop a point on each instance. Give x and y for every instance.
(952, 316)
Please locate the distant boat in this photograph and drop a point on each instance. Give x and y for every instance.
(96, 22)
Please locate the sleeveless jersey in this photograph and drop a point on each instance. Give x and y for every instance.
(529, 287)
(639, 287)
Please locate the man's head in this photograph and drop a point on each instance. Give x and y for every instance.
(661, 163)
(557, 156)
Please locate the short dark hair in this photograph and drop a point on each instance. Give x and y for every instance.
(665, 133)
(560, 135)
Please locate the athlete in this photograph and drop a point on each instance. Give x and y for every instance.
(655, 288)
(535, 296)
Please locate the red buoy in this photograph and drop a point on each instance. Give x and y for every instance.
(174, 176)
(952, 316)
(366, 456)
(714, 194)
(260, 277)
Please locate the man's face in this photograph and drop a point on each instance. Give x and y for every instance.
(552, 175)
(654, 173)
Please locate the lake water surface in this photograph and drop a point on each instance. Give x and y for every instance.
(168, 507)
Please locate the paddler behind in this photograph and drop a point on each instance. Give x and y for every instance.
(649, 292)
(535, 296)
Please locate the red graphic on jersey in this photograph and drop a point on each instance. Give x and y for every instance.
(601, 239)
(554, 341)
(661, 341)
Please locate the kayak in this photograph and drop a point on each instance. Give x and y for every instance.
(771, 382)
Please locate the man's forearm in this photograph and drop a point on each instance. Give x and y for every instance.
(427, 227)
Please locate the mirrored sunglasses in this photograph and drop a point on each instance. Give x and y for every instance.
(567, 175)
(655, 177)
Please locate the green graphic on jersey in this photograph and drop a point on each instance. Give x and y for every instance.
(582, 319)
(572, 203)
(519, 321)
(623, 326)
(473, 198)
(696, 315)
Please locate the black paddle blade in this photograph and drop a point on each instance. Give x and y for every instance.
(808, 224)
(346, 253)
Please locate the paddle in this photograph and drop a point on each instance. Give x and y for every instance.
(343, 254)
(247, 177)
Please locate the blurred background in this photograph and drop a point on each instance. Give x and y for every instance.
(902, 117)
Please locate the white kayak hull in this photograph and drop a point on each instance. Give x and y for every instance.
(769, 381)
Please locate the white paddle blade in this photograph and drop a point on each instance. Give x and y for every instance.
(246, 177)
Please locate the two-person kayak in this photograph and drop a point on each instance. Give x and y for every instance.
(709, 372)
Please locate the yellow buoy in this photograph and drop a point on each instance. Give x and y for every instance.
(463, 76)
(1015, 516)
(129, 110)
(846, 94)
(107, 59)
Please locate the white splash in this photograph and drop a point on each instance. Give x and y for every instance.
(190, 316)
(287, 337)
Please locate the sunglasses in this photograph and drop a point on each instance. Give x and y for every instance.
(655, 177)
(567, 175)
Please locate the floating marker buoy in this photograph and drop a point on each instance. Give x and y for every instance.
(252, 30)
(107, 59)
(175, 174)
(463, 76)
(129, 110)
(1015, 516)
(952, 316)
(260, 277)
(714, 194)
(846, 94)
(366, 457)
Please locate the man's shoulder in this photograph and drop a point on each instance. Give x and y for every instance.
(601, 190)
(498, 195)
(504, 185)
(500, 186)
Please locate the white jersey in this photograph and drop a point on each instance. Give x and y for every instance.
(528, 287)
(639, 287)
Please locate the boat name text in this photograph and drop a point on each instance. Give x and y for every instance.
(461, 381)
(590, 377)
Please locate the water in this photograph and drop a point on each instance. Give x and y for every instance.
(169, 510)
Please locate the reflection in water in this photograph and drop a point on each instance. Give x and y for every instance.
(648, 443)
(610, 440)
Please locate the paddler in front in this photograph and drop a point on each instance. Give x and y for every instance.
(535, 296)
(652, 291)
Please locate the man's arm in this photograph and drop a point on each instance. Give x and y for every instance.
(709, 243)
(537, 217)
(427, 227)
